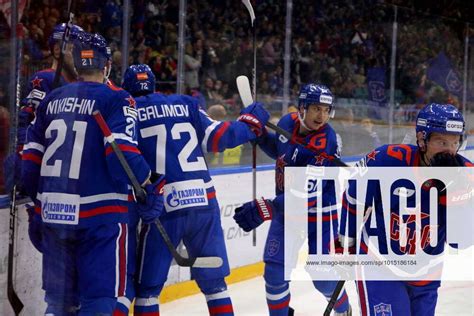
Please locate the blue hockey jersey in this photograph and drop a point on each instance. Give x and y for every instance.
(174, 133)
(323, 143)
(40, 84)
(400, 155)
(67, 164)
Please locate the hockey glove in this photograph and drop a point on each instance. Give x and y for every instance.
(35, 225)
(444, 159)
(255, 116)
(152, 208)
(252, 214)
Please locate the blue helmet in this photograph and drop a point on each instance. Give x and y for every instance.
(315, 94)
(139, 80)
(440, 118)
(90, 51)
(58, 33)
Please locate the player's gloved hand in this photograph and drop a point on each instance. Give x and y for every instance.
(12, 170)
(152, 208)
(252, 214)
(255, 116)
(444, 159)
(35, 225)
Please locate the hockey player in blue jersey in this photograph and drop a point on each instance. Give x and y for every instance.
(174, 133)
(81, 190)
(39, 85)
(309, 124)
(439, 133)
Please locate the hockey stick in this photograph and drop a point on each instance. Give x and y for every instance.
(249, 7)
(13, 298)
(64, 42)
(243, 86)
(198, 262)
(334, 296)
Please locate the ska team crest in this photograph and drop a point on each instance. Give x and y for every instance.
(383, 309)
(273, 247)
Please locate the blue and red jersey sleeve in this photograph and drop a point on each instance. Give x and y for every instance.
(218, 136)
(32, 156)
(121, 117)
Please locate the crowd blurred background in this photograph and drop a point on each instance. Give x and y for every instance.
(345, 44)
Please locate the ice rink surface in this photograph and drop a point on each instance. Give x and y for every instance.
(248, 297)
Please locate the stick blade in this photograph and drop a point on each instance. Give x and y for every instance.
(243, 85)
(208, 262)
(15, 301)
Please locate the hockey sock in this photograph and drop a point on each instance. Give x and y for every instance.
(219, 304)
(146, 307)
(327, 288)
(342, 303)
(278, 299)
(122, 307)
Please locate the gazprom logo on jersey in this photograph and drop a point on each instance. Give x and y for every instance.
(454, 126)
(185, 194)
(60, 208)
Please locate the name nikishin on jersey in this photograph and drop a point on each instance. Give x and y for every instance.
(80, 106)
(163, 110)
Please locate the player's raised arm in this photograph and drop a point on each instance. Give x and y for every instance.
(218, 136)
(32, 156)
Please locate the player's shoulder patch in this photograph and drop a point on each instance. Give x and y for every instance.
(392, 155)
(294, 116)
(287, 121)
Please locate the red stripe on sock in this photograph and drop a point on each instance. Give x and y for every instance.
(216, 310)
(211, 195)
(341, 300)
(279, 305)
(146, 313)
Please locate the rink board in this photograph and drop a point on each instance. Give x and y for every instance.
(232, 190)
